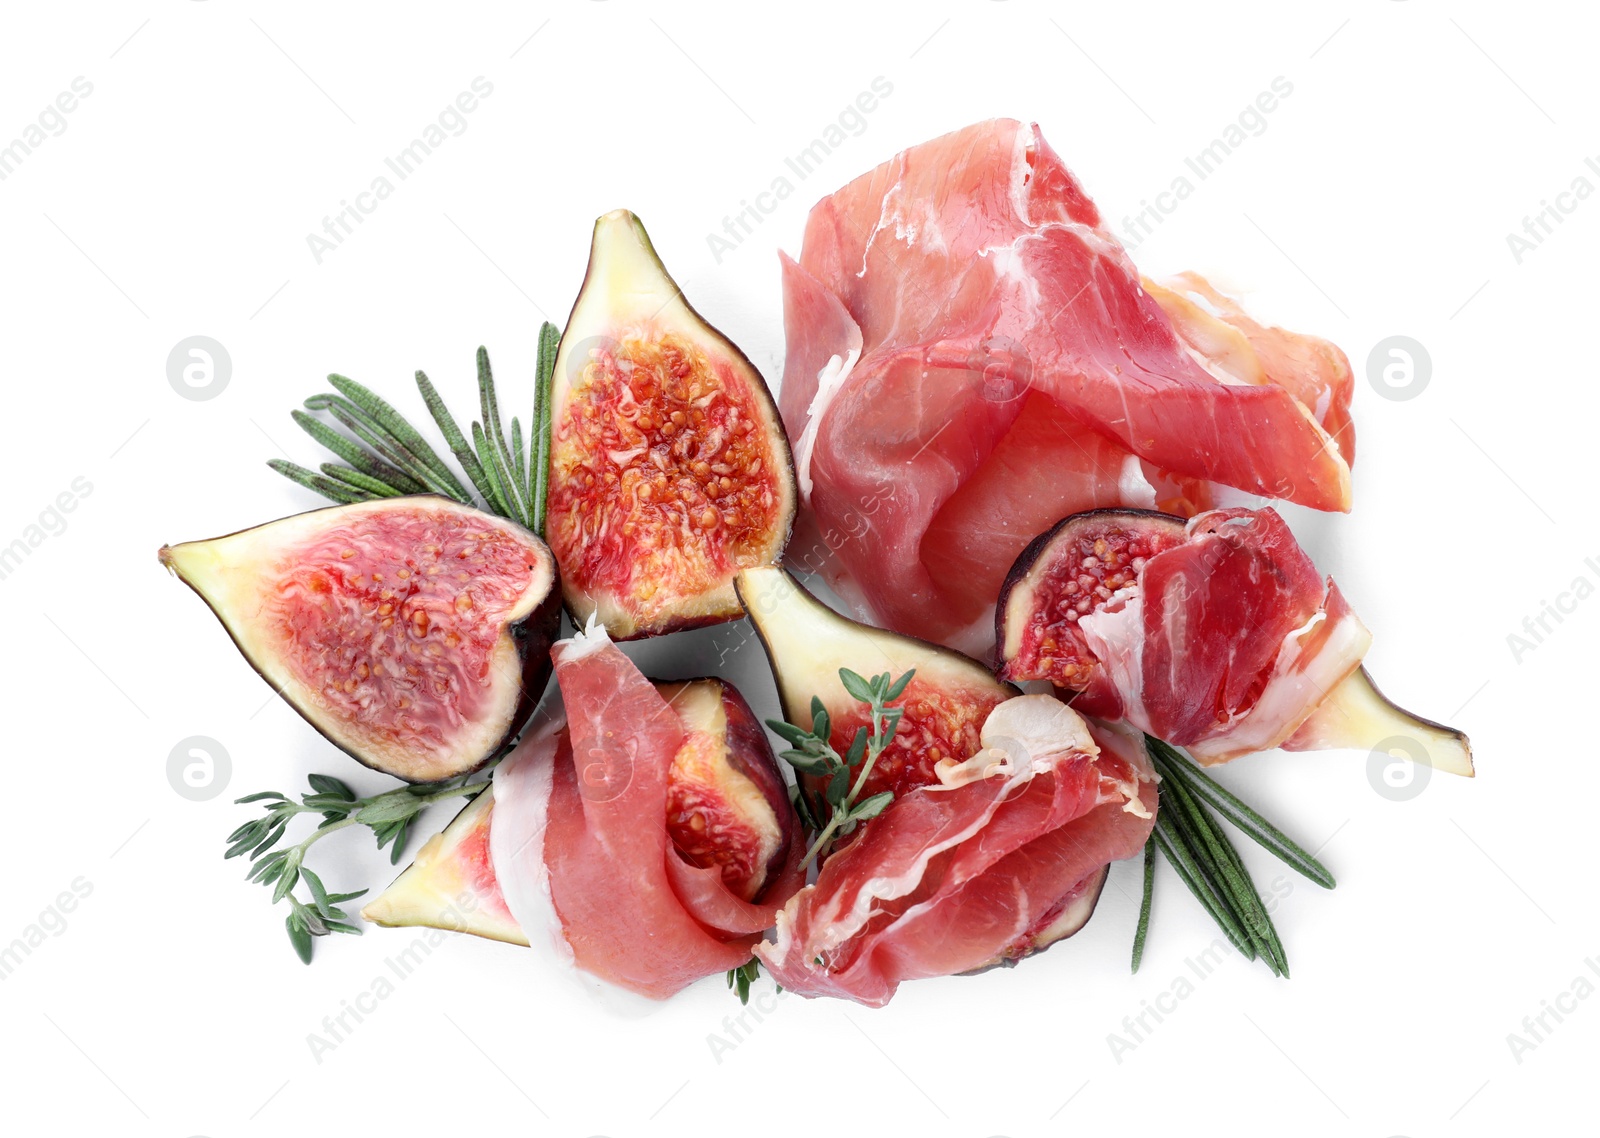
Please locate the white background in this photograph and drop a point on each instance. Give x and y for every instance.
(1377, 202)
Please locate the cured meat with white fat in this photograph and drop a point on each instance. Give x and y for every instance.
(1218, 635)
(582, 837)
(972, 355)
(999, 858)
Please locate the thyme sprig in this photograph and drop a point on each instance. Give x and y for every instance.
(388, 815)
(811, 752)
(1206, 861)
(740, 978)
(388, 456)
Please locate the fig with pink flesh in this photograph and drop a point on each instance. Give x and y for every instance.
(727, 807)
(669, 467)
(807, 643)
(413, 632)
(1215, 634)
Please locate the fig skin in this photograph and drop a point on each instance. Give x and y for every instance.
(1353, 714)
(1064, 925)
(529, 635)
(746, 763)
(1030, 562)
(628, 296)
(807, 643)
(451, 883)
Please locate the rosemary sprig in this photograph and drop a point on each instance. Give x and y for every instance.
(389, 815)
(811, 752)
(1262, 832)
(388, 456)
(1207, 862)
(539, 426)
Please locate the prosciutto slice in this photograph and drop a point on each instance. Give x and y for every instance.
(579, 838)
(972, 355)
(1227, 642)
(972, 870)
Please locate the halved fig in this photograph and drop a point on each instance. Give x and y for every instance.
(727, 808)
(1217, 634)
(807, 643)
(669, 467)
(1070, 570)
(414, 633)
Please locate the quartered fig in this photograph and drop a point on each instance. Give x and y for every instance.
(1357, 716)
(413, 632)
(727, 808)
(807, 643)
(1217, 634)
(669, 467)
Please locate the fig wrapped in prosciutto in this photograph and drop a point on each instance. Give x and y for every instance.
(1000, 857)
(646, 836)
(972, 355)
(1217, 634)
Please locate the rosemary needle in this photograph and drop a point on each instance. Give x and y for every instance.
(1144, 903)
(1262, 832)
(389, 457)
(1178, 853)
(1219, 862)
(1207, 861)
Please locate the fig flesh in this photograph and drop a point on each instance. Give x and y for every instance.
(807, 643)
(1215, 634)
(727, 804)
(727, 807)
(1065, 573)
(451, 883)
(1356, 715)
(413, 632)
(669, 467)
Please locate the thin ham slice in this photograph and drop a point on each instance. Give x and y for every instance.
(960, 327)
(960, 874)
(1227, 642)
(580, 844)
